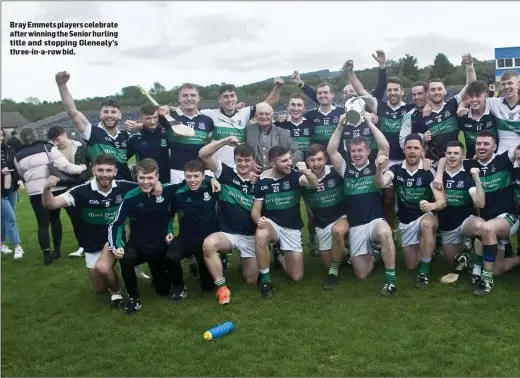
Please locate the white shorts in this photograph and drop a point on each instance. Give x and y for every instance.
(411, 232)
(91, 259)
(325, 235)
(176, 177)
(360, 238)
(290, 239)
(455, 236)
(513, 227)
(244, 243)
(390, 163)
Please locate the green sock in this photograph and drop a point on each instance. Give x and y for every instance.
(478, 260)
(334, 268)
(265, 277)
(425, 265)
(220, 283)
(390, 276)
(487, 275)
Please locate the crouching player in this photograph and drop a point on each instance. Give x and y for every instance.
(364, 203)
(328, 207)
(97, 201)
(235, 201)
(464, 192)
(276, 212)
(151, 227)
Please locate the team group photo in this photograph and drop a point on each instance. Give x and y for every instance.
(367, 215)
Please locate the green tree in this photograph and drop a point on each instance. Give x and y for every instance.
(409, 67)
(442, 67)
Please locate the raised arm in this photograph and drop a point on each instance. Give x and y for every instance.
(307, 89)
(49, 201)
(471, 76)
(478, 196)
(80, 121)
(273, 98)
(358, 87)
(332, 148)
(379, 91)
(206, 153)
(309, 179)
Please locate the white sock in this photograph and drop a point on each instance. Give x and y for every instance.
(477, 269)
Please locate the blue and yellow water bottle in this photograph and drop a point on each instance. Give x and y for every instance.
(219, 331)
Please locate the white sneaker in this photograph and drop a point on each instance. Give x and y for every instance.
(5, 249)
(79, 253)
(18, 253)
(140, 274)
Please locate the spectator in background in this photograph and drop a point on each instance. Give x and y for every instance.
(31, 163)
(75, 153)
(264, 135)
(10, 183)
(14, 142)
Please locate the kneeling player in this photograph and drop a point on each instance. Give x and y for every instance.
(235, 201)
(196, 201)
(417, 224)
(276, 212)
(97, 201)
(328, 208)
(151, 226)
(463, 192)
(364, 203)
(496, 172)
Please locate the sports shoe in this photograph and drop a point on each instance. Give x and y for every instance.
(179, 293)
(116, 300)
(140, 274)
(79, 253)
(483, 288)
(388, 290)
(5, 249)
(132, 306)
(266, 289)
(47, 257)
(475, 281)
(56, 254)
(225, 261)
(461, 261)
(224, 295)
(18, 253)
(331, 281)
(421, 281)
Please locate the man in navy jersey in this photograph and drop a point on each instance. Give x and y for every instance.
(327, 206)
(364, 203)
(464, 193)
(276, 212)
(500, 213)
(151, 142)
(97, 202)
(440, 127)
(417, 222)
(473, 116)
(151, 229)
(235, 201)
(183, 148)
(196, 203)
(104, 138)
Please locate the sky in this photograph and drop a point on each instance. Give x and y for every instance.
(243, 42)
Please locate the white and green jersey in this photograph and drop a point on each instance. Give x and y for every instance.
(508, 123)
(225, 126)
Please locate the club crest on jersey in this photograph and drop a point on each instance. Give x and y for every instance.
(460, 184)
(202, 126)
(366, 171)
(306, 132)
(119, 199)
(159, 199)
(286, 185)
(335, 120)
(511, 116)
(240, 123)
(163, 143)
(493, 169)
(331, 183)
(123, 144)
(447, 114)
(419, 182)
(206, 196)
(366, 131)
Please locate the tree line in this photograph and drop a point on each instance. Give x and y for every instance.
(406, 68)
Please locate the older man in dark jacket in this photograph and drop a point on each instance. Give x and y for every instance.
(263, 135)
